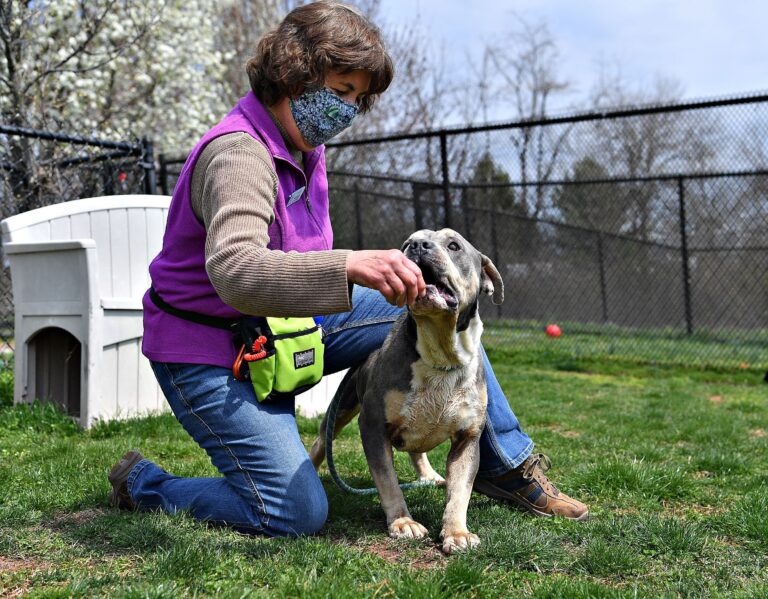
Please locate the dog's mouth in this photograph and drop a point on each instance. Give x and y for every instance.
(438, 292)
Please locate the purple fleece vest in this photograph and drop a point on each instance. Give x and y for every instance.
(178, 272)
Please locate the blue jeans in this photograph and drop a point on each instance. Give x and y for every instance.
(268, 485)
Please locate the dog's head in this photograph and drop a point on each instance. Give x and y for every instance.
(454, 271)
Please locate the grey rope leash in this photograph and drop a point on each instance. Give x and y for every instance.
(330, 426)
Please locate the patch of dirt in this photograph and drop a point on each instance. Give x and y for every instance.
(65, 519)
(11, 566)
(707, 509)
(556, 428)
(8, 566)
(623, 511)
(681, 510)
(428, 558)
(758, 433)
(385, 553)
(702, 474)
(19, 590)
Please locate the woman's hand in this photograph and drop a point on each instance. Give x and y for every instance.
(396, 277)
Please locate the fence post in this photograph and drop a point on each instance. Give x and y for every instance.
(446, 179)
(685, 257)
(495, 253)
(601, 262)
(418, 218)
(148, 164)
(109, 182)
(163, 174)
(358, 215)
(465, 213)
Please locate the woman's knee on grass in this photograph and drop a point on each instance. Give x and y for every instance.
(302, 510)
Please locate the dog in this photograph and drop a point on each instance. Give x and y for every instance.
(426, 384)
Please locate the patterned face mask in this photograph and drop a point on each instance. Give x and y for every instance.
(321, 115)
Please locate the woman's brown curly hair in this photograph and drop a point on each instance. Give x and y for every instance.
(313, 40)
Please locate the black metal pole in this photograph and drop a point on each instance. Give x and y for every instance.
(467, 232)
(163, 174)
(358, 216)
(446, 179)
(148, 164)
(601, 262)
(577, 117)
(109, 179)
(685, 257)
(495, 253)
(72, 139)
(418, 217)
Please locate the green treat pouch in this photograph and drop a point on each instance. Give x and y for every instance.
(284, 355)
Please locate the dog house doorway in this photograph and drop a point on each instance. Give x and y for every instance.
(53, 374)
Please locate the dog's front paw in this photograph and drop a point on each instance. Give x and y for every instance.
(459, 541)
(406, 528)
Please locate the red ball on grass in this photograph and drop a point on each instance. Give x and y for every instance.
(553, 330)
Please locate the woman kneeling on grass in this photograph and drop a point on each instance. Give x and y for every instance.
(248, 232)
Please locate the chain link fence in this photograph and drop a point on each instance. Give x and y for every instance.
(641, 231)
(39, 168)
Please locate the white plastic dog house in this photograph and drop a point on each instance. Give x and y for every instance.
(79, 271)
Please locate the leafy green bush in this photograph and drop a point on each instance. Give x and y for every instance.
(37, 418)
(6, 384)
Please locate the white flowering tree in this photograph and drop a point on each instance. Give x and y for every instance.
(113, 69)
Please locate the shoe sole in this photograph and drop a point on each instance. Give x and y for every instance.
(122, 469)
(112, 498)
(493, 491)
(119, 475)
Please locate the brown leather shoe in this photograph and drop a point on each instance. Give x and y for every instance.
(529, 488)
(118, 477)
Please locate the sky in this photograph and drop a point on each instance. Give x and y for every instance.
(711, 47)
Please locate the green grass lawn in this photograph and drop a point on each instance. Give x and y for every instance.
(731, 349)
(672, 462)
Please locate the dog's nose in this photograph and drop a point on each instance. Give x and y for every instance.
(420, 245)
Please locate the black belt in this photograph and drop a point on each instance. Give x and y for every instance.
(218, 322)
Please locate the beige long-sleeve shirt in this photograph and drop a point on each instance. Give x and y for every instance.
(234, 188)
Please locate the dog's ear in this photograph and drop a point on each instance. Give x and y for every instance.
(490, 280)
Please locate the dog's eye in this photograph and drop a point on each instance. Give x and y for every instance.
(454, 246)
